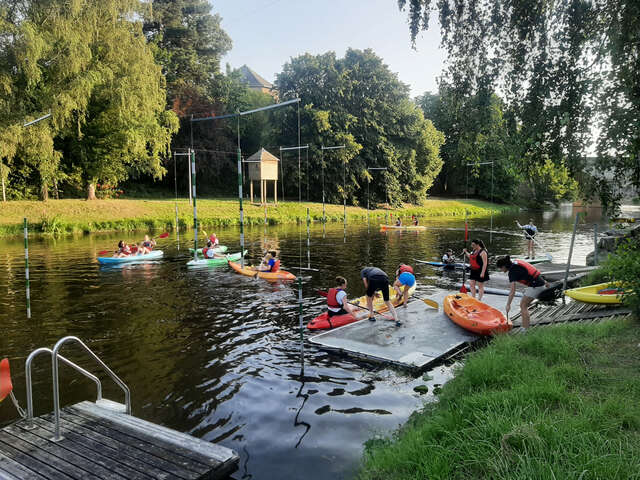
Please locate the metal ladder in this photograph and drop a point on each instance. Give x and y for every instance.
(55, 359)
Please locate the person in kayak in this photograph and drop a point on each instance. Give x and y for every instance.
(479, 264)
(270, 263)
(337, 303)
(148, 243)
(210, 251)
(376, 280)
(141, 249)
(404, 278)
(414, 220)
(530, 231)
(448, 258)
(398, 222)
(124, 250)
(525, 273)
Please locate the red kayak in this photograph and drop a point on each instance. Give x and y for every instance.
(323, 321)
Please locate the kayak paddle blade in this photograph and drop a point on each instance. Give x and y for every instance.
(463, 288)
(431, 303)
(5, 379)
(163, 235)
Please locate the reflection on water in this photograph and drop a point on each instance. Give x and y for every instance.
(218, 355)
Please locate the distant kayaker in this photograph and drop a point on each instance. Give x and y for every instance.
(376, 280)
(525, 273)
(398, 222)
(415, 220)
(270, 263)
(141, 249)
(124, 250)
(530, 231)
(479, 264)
(210, 251)
(448, 258)
(148, 243)
(405, 279)
(214, 240)
(337, 303)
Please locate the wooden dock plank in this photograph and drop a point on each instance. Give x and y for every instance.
(100, 458)
(90, 444)
(154, 452)
(29, 458)
(12, 470)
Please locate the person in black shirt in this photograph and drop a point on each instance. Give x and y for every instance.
(525, 273)
(375, 280)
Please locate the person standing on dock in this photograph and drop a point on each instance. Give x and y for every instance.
(405, 279)
(376, 280)
(525, 273)
(530, 231)
(479, 264)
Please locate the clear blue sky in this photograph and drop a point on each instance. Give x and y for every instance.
(267, 33)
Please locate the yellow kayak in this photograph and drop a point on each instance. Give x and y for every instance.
(378, 301)
(402, 227)
(605, 293)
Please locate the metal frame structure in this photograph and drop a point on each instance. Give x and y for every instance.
(322, 149)
(298, 148)
(467, 192)
(368, 182)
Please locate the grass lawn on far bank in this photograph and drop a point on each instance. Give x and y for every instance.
(75, 216)
(561, 402)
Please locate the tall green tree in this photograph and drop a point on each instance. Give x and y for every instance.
(90, 65)
(359, 101)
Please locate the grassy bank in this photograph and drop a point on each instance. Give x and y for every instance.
(558, 403)
(75, 216)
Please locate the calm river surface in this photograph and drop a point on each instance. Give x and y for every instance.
(217, 355)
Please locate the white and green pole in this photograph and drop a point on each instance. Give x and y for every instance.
(240, 198)
(301, 320)
(308, 240)
(26, 267)
(195, 209)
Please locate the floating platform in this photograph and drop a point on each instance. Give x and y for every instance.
(100, 442)
(426, 336)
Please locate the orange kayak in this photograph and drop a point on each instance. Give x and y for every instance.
(269, 276)
(475, 316)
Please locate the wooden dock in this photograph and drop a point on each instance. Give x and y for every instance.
(101, 442)
(572, 311)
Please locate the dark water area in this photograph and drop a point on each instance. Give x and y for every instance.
(218, 355)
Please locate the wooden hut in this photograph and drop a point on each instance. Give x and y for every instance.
(263, 167)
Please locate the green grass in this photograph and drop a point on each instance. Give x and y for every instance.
(59, 217)
(558, 403)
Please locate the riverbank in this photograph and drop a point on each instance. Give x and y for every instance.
(560, 402)
(57, 217)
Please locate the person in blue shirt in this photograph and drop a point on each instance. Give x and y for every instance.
(530, 231)
(405, 279)
(268, 262)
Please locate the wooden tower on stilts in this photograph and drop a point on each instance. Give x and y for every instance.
(263, 167)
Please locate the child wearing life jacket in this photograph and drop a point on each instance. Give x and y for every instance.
(270, 263)
(526, 274)
(141, 249)
(415, 220)
(398, 222)
(123, 250)
(337, 299)
(479, 266)
(448, 258)
(405, 279)
(148, 243)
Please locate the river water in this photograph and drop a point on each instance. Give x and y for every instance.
(217, 355)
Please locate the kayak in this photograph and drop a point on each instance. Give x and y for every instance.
(153, 255)
(402, 227)
(474, 315)
(494, 291)
(532, 261)
(605, 293)
(322, 321)
(444, 265)
(214, 262)
(220, 249)
(269, 276)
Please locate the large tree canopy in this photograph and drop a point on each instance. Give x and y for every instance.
(357, 101)
(565, 70)
(90, 65)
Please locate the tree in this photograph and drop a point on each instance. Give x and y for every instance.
(359, 101)
(90, 64)
(555, 62)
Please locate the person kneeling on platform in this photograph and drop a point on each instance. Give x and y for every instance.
(406, 279)
(337, 303)
(525, 273)
(375, 280)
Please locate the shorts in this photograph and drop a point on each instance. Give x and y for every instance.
(406, 278)
(342, 311)
(475, 275)
(381, 284)
(534, 292)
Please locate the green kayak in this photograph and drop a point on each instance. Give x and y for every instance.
(213, 262)
(220, 249)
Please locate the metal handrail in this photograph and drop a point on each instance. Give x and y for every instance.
(56, 388)
(29, 382)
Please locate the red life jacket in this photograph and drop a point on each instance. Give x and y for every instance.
(332, 300)
(276, 266)
(405, 268)
(532, 272)
(473, 260)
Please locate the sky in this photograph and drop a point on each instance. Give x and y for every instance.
(267, 33)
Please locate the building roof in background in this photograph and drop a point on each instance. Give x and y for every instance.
(261, 156)
(253, 79)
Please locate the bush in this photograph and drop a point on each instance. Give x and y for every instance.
(624, 267)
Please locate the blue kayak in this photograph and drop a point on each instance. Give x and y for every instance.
(444, 265)
(153, 255)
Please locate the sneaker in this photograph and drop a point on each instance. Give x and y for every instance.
(398, 324)
(372, 319)
(526, 258)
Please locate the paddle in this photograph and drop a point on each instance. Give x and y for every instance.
(325, 294)
(463, 289)
(162, 235)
